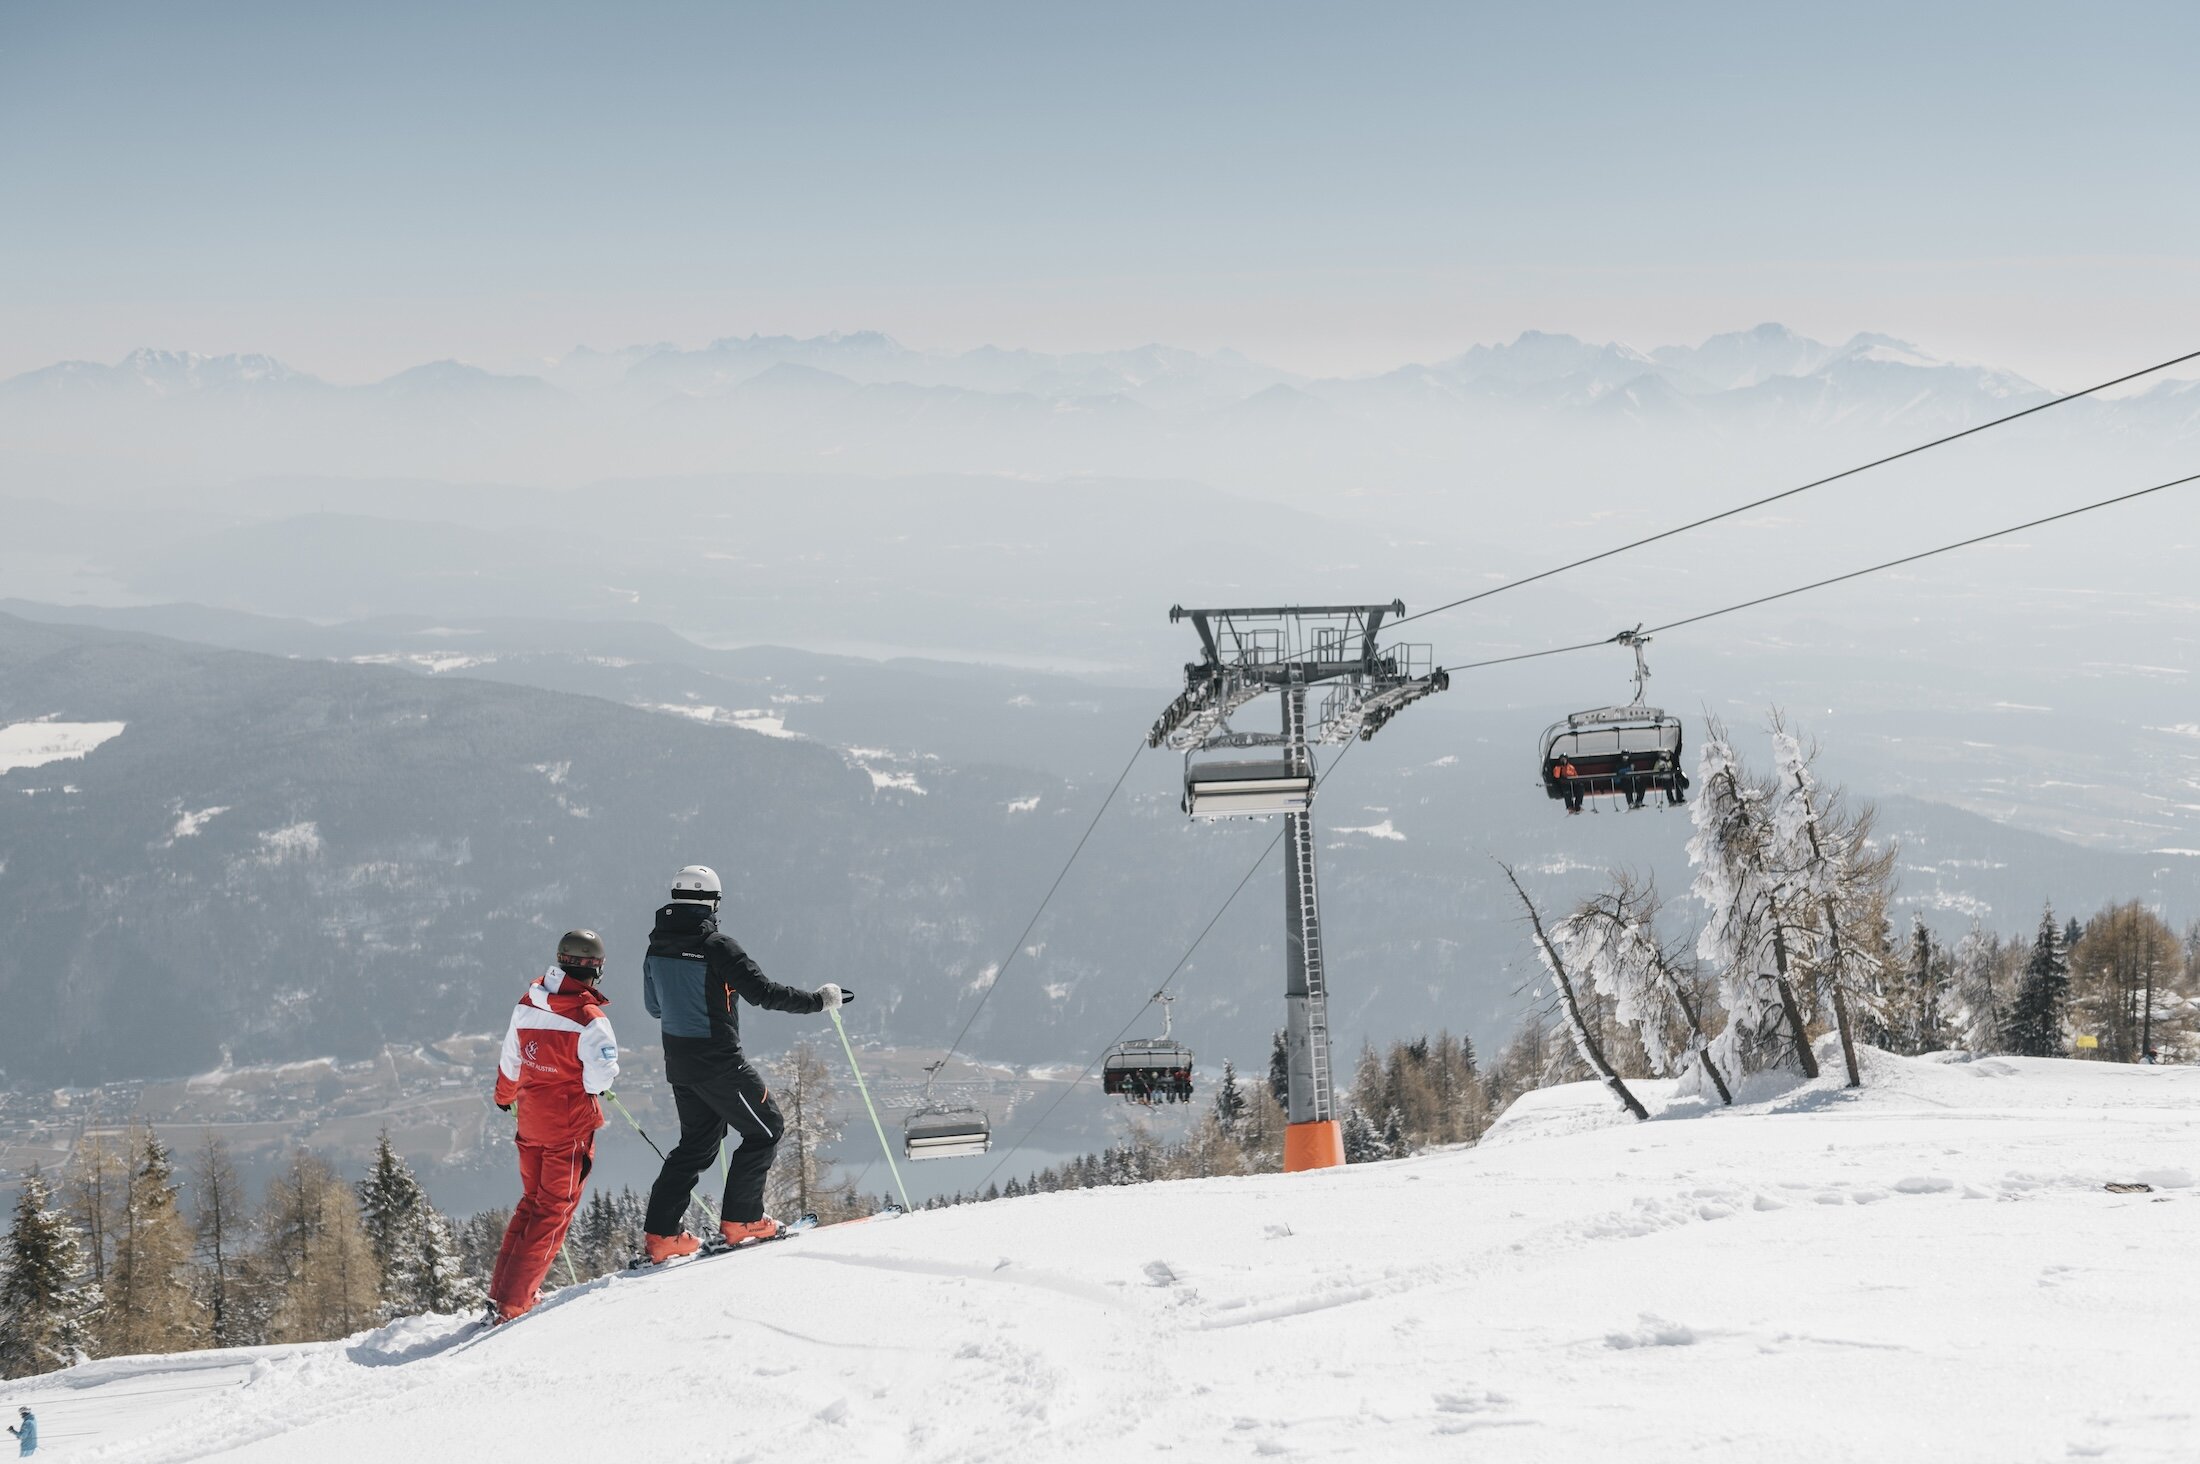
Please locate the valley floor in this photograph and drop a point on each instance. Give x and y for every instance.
(1929, 1269)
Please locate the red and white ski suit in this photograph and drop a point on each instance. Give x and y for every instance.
(559, 1053)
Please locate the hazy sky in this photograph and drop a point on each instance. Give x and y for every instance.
(360, 187)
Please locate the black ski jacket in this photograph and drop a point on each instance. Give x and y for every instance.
(690, 978)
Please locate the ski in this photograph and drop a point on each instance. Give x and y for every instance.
(717, 1246)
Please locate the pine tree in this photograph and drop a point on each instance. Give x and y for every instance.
(390, 1201)
(150, 1305)
(2043, 996)
(1279, 1072)
(1363, 1143)
(1229, 1100)
(1927, 995)
(44, 1298)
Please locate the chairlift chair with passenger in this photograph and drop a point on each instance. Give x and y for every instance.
(1630, 751)
(1150, 1070)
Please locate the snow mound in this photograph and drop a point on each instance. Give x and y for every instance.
(1926, 1268)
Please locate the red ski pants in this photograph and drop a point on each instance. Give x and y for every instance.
(554, 1175)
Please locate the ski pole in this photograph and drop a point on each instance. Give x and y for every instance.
(876, 1127)
(708, 1208)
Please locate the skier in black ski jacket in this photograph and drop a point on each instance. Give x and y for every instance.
(690, 979)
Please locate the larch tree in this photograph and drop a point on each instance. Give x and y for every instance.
(1745, 930)
(1591, 1051)
(222, 1228)
(97, 1175)
(1832, 888)
(46, 1301)
(1612, 941)
(322, 1269)
(149, 1290)
(1980, 1000)
(804, 1085)
(2126, 973)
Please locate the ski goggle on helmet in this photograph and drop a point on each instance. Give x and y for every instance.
(581, 950)
(696, 882)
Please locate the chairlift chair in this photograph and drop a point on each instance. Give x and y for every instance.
(942, 1131)
(946, 1133)
(1245, 787)
(1150, 1070)
(1600, 742)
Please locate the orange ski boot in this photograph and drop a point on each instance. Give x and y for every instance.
(738, 1231)
(663, 1248)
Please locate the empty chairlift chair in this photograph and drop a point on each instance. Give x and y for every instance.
(946, 1133)
(1150, 1070)
(1631, 751)
(1245, 787)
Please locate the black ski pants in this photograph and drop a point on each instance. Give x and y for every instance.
(715, 1096)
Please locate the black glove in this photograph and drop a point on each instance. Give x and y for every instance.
(504, 1108)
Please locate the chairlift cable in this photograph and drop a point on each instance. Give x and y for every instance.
(1805, 488)
(1031, 925)
(1559, 651)
(1839, 578)
(1174, 971)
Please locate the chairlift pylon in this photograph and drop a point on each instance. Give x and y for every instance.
(1625, 752)
(1150, 1070)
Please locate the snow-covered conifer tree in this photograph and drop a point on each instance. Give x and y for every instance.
(1229, 1100)
(44, 1301)
(1363, 1142)
(2043, 996)
(1743, 934)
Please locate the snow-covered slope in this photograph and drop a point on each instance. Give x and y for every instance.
(1930, 1269)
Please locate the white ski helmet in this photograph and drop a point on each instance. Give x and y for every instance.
(696, 881)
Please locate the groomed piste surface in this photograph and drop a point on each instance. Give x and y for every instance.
(1929, 1269)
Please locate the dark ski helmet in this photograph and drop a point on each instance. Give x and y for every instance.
(581, 951)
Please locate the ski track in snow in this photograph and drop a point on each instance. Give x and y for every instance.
(1927, 1269)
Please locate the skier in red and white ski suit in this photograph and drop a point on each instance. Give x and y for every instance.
(559, 1053)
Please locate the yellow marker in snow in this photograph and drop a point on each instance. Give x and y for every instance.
(2087, 1041)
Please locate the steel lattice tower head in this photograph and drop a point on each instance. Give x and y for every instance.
(1291, 651)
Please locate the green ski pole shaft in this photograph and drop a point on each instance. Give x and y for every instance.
(708, 1208)
(876, 1127)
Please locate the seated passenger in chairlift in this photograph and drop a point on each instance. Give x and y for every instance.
(1569, 778)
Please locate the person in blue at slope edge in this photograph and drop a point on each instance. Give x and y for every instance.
(27, 1433)
(693, 982)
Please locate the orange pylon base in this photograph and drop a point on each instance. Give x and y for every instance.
(1312, 1146)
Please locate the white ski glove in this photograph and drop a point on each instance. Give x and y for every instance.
(831, 995)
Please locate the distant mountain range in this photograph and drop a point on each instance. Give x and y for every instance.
(863, 402)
